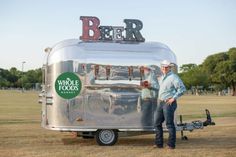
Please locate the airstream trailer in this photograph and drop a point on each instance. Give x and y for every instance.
(93, 88)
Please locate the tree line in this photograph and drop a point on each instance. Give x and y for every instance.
(14, 78)
(217, 72)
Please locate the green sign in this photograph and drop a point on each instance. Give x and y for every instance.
(68, 85)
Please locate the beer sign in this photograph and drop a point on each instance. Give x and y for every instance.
(93, 31)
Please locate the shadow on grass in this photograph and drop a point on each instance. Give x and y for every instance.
(78, 141)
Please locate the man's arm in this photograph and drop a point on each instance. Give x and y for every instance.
(179, 86)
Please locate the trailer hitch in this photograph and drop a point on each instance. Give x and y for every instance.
(208, 120)
(197, 124)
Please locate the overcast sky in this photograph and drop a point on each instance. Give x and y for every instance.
(193, 29)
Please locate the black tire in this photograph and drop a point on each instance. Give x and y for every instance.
(106, 137)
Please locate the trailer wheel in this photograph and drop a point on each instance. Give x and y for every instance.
(106, 137)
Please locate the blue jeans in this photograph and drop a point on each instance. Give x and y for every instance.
(165, 113)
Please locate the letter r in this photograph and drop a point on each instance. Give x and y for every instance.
(133, 33)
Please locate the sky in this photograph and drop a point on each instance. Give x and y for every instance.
(193, 29)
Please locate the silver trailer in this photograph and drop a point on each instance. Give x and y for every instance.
(93, 88)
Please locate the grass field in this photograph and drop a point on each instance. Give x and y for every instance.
(22, 136)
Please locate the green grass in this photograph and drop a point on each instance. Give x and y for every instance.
(219, 106)
(17, 105)
(22, 136)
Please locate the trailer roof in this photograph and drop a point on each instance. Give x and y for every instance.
(122, 53)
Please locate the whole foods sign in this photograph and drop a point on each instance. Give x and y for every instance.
(68, 85)
(92, 31)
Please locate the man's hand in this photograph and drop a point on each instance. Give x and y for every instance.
(170, 101)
